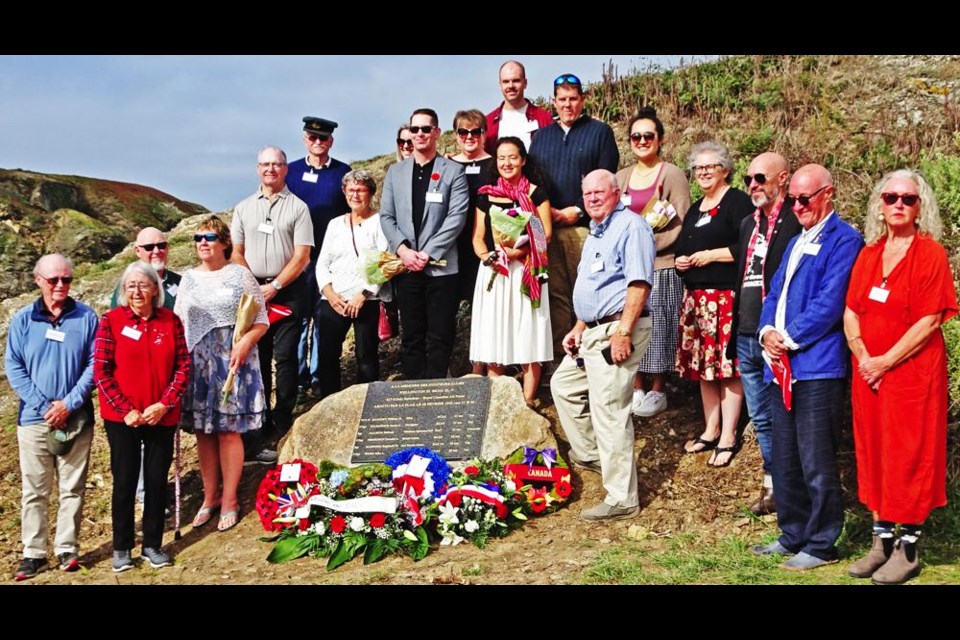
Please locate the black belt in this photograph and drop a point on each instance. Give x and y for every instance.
(613, 318)
(293, 282)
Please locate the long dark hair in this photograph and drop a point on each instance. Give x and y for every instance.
(530, 170)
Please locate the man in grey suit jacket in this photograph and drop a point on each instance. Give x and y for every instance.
(422, 210)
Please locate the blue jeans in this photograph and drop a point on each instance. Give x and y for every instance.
(757, 393)
(805, 471)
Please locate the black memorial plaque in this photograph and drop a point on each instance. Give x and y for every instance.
(446, 415)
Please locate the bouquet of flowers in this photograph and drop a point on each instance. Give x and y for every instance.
(659, 213)
(541, 476)
(376, 267)
(347, 511)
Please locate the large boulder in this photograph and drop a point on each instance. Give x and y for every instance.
(329, 429)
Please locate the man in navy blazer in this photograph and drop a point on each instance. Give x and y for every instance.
(422, 210)
(802, 318)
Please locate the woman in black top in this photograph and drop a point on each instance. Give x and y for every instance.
(705, 261)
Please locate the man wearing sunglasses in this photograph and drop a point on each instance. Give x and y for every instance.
(566, 151)
(422, 210)
(761, 244)
(316, 179)
(272, 236)
(49, 363)
(802, 336)
(516, 116)
(151, 248)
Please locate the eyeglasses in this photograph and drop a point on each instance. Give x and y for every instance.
(209, 237)
(427, 129)
(567, 78)
(149, 247)
(275, 165)
(322, 137)
(909, 199)
(805, 200)
(138, 286)
(706, 168)
(358, 190)
(55, 280)
(758, 177)
(646, 136)
(476, 133)
(404, 143)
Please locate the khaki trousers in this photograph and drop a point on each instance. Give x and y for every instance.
(38, 468)
(593, 404)
(563, 252)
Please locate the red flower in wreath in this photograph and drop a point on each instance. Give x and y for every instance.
(338, 524)
(376, 492)
(454, 499)
(377, 520)
(502, 510)
(538, 499)
(563, 489)
(472, 471)
(303, 524)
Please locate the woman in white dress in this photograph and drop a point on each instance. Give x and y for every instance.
(511, 309)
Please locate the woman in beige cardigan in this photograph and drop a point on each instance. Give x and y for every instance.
(643, 185)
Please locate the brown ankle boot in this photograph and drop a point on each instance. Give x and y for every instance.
(879, 554)
(904, 564)
(765, 504)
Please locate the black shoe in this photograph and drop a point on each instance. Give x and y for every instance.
(69, 561)
(29, 568)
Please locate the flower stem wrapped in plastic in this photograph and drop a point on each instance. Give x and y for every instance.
(376, 267)
(246, 313)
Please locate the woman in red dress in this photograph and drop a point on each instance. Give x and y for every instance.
(901, 291)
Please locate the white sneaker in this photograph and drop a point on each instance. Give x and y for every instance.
(653, 403)
(638, 395)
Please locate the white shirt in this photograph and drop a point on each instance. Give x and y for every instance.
(513, 122)
(338, 263)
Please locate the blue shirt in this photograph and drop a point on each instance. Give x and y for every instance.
(618, 251)
(41, 368)
(324, 197)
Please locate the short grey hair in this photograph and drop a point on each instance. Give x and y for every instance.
(46, 258)
(271, 147)
(928, 217)
(146, 270)
(711, 146)
(362, 176)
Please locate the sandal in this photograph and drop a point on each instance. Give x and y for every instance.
(204, 515)
(707, 445)
(731, 450)
(228, 520)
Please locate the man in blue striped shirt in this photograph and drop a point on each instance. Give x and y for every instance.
(593, 386)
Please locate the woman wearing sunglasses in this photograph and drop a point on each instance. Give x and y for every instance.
(901, 290)
(207, 303)
(705, 261)
(649, 182)
(404, 143)
(470, 128)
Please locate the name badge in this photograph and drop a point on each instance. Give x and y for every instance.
(627, 199)
(811, 249)
(760, 250)
(53, 334)
(172, 289)
(434, 196)
(263, 227)
(473, 169)
(596, 266)
(130, 332)
(703, 221)
(309, 176)
(223, 291)
(878, 294)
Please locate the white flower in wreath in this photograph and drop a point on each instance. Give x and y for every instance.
(357, 523)
(510, 485)
(448, 514)
(451, 539)
(319, 527)
(471, 526)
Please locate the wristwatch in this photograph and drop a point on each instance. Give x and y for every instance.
(623, 333)
(276, 285)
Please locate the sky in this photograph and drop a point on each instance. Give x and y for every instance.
(191, 125)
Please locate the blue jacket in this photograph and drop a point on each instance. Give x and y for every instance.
(41, 369)
(815, 303)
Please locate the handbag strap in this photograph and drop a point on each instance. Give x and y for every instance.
(353, 238)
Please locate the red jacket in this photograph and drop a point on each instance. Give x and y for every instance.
(542, 117)
(147, 364)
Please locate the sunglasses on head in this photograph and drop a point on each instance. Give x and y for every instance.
(404, 143)
(804, 200)
(758, 177)
(476, 133)
(209, 237)
(322, 137)
(567, 78)
(648, 136)
(427, 129)
(150, 246)
(55, 280)
(909, 199)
